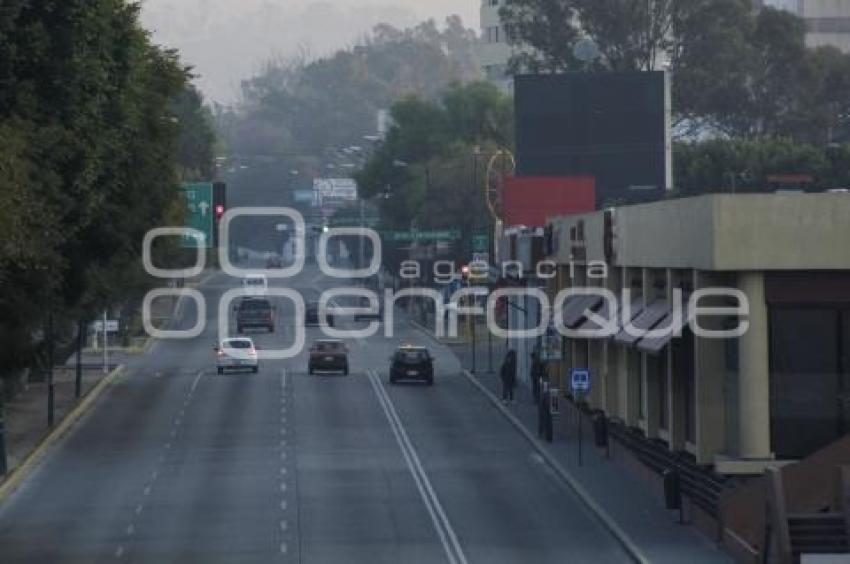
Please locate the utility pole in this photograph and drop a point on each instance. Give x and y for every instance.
(78, 380)
(50, 386)
(105, 346)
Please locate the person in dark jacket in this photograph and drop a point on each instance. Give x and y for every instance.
(508, 374)
(537, 369)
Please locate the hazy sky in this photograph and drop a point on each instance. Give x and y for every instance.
(228, 40)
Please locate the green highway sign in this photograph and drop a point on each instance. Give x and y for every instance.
(480, 243)
(199, 212)
(422, 236)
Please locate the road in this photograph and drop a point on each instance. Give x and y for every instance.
(179, 464)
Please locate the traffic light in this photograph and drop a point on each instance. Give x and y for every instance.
(219, 207)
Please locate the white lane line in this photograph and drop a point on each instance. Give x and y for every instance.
(119, 552)
(195, 383)
(448, 538)
(131, 529)
(283, 548)
(284, 525)
(147, 491)
(139, 509)
(283, 505)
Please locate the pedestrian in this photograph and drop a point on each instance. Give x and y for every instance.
(508, 374)
(536, 374)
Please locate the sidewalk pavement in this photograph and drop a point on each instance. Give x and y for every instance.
(636, 509)
(26, 413)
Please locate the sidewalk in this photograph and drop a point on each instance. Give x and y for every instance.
(636, 509)
(26, 413)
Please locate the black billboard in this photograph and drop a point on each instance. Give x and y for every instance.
(608, 125)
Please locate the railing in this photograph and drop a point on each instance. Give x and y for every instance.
(818, 533)
(703, 487)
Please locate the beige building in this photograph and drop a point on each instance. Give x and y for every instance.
(780, 392)
(494, 49)
(827, 21)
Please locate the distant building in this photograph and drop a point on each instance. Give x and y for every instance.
(495, 51)
(827, 21)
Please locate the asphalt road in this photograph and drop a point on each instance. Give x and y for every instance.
(179, 464)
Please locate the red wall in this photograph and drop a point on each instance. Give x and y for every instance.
(531, 200)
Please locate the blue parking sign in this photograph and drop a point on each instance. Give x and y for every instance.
(580, 380)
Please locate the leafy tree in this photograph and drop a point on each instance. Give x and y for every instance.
(739, 68)
(88, 140)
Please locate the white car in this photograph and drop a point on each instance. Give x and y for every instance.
(237, 354)
(255, 284)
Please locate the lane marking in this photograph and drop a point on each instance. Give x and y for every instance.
(195, 383)
(448, 538)
(119, 552)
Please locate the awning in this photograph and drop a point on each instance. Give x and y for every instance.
(604, 311)
(648, 318)
(655, 345)
(575, 307)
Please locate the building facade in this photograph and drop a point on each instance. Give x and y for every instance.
(494, 49)
(778, 393)
(827, 21)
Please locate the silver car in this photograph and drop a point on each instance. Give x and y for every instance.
(237, 354)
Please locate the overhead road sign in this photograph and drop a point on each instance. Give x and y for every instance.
(446, 235)
(199, 213)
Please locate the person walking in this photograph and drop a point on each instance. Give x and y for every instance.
(536, 374)
(508, 374)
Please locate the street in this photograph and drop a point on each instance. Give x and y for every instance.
(179, 464)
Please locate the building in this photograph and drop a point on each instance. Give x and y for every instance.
(494, 49)
(827, 21)
(778, 392)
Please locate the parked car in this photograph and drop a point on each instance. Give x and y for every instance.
(412, 363)
(255, 313)
(328, 356)
(274, 261)
(237, 354)
(311, 315)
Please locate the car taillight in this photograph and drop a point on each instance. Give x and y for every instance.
(253, 352)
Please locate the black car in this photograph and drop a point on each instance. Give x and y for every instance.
(412, 363)
(328, 356)
(255, 313)
(311, 315)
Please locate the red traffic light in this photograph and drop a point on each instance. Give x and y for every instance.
(219, 211)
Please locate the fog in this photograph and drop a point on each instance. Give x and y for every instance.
(228, 40)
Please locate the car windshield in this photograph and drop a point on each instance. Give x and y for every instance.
(329, 346)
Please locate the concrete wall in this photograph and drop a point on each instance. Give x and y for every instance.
(727, 232)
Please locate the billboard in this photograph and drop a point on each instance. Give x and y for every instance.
(532, 200)
(610, 126)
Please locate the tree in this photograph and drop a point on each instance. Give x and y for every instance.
(89, 144)
(738, 68)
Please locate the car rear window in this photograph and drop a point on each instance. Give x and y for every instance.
(255, 282)
(237, 344)
(255, 305)
(328, 346)
(412, 356)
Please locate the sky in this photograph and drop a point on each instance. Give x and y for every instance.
(228, 41)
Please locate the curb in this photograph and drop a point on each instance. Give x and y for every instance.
(31, 461)
(598, 512)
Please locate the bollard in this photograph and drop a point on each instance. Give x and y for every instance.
(600, 430)
(672, 489)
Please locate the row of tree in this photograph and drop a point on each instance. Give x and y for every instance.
(430, 171)
(302, 112)
(93, 117)
(739, 68)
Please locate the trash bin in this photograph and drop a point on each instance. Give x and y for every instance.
(600, 430)
(672, 489)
